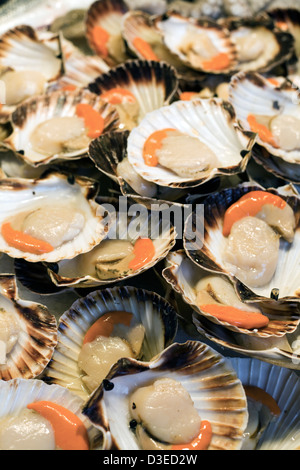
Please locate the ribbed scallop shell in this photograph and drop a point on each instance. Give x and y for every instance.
(283, 352)
(59, 103)
(108, 14)
(284, 386)
(182, 274)
(71, 273)
(21, 49)
(207, 248)
(275, 51)
(153, 84)
(16, 394)
(211, 382)
(210, 120)
(20, 194)
(251, 93)
(156, 314)
(174, 27)
(37, 337)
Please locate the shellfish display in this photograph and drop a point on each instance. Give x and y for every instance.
(149, 225)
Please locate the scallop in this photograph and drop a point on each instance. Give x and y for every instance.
(54, 127)
(177, 375)
(152, 327)
(23, 428)
(198, 288)
(111, 260)
(196, 123)
(202, 44)
(104, 30)
(28, 334)
(57, 219)
(213, 252)
(136, 88)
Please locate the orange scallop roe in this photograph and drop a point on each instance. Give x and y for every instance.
(70, 432)
(187, 95)
(249, 205)
(144, 251)
(93, 121)
(100, 39)
(153, 143)
(236, 316)
(220, 61)
(144, 49)
(263, 132)
(201, 442)
(24, 242)
(105, 324)
(118, 95)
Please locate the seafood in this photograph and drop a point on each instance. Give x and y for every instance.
(156, 146)
(124, 253)
(58, 218)
(212, 255)
(214, 296)
(59, 125)
(37, 416)
(136, 88)
(28, 334)
(145, 324)
(182, 365)
(201, 44)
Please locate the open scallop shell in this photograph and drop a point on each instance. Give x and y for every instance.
(288, 20)
(108, 15)
(153, 84)
(277, 46)
(183, 275)
(207, 247)
(211, 382)
(18, 195)
(178, 32)
(284, 386)
(251, 93)
(80, 272)
(36, 337)
(201, 118)
(156, 314)
(282, 352)
(16, 394)
(59, 103)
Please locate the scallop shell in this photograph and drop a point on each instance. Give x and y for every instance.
(201, 118)
(211, 382)
(182, 274)
(283, 385)
(156, 314)
(107, 14)
(174, 28)
(34, 193)
(77, 272)
(278, 46)
(206, 248)
(251, 93)
(288, 20)
(27, 116)
(16, 394)
(21, 49)
(154, 84)
(37, 337)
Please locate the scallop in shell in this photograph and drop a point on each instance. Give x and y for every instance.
(271, 110)
(104, 30)
(136, 88)
(176, 146)
(271, 274)
(110, 261)
(259, 44)
(28, 334)
(200, 375)
(50, 218)
(152, 317)
(201, 289)
(282, 385)
(202, 44)
(57, 126)
(15, 417)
